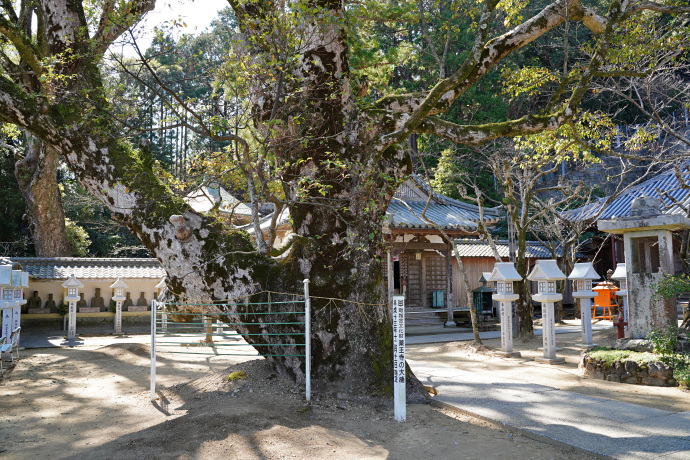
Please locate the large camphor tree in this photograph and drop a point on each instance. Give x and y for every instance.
(339, 150)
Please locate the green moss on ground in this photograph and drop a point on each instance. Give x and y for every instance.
(610, 356)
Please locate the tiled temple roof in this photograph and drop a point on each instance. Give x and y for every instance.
(90, 268)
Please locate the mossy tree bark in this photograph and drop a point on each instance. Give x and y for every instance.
(36, 175)
(341, 163)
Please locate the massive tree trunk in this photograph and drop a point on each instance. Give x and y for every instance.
(36, 175)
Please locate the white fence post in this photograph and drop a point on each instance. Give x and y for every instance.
(399, 391)
(154, 306)
(307, 339)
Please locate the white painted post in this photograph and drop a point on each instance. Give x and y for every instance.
(307, 339)
(164, 319)
(154, 306)
(548, 330)
(118, 317)
(72, 321)
(399, 391)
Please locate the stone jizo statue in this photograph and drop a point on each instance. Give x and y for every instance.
(141, 301)
(128, 301)
(81, 303)
(97, 301)
(35, 301)
(50, 303)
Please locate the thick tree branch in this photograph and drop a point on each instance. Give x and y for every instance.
(9, 9)
(114, 23)
(483, 58)
(479, 134)
(22, 43)
(658, 7)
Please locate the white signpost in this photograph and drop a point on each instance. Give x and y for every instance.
(399, 393)
(582, 276)
(504, 274)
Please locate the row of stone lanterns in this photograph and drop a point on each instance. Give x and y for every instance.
(72, 286)
(546, 273)
(12, 284)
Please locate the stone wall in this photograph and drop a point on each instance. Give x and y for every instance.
(628, 371)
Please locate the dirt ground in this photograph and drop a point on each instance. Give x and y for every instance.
(93, 402)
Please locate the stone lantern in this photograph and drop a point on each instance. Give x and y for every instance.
(545, 273)
(118, 288)
(504, 275)
(71, 287)
(12, 284)
(620, 275)
(20, 280)
(582, 276)
(6, 299)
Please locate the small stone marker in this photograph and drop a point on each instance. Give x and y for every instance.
(399, 392)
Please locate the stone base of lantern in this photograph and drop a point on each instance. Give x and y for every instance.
(586, 347)
(450, 324)
(506, 354)
(550, 360)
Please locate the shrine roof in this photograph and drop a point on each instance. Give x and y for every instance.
(61, 268)
(479, 248)
(410, 201)
(666, 187)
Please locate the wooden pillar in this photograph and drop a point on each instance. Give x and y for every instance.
(425, 302)
(450, 321)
